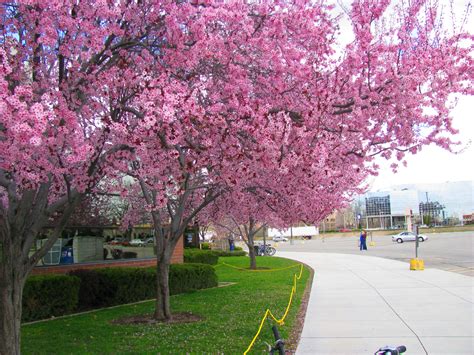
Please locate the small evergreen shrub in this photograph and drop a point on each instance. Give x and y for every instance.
(189, 277)
(200, 256)
(230, 253)
(129, 255)
(205, 246)
(45, 296)
(113, 286)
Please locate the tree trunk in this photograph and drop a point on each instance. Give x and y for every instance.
(19, 227)
(252, 256)
(11, 290)
(164, 251)
(162, 304)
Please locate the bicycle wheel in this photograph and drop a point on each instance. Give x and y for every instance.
(271, 251)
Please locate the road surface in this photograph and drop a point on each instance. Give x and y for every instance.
(446, 251)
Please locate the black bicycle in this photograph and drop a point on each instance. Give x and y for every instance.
(265, 250)
(279, 345)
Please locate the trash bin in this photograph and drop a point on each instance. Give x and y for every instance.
(66, 256)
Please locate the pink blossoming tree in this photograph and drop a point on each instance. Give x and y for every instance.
(193, 98)
(68, 73)
(294, 190)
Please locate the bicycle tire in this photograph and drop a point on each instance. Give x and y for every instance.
(271, 251)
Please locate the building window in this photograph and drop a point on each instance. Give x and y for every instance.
(377, 206)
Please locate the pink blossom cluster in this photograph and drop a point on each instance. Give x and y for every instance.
(244, 104)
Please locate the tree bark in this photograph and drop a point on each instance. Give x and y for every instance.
(19, 226)
(252, 256)
(162, 303)
(11, 291)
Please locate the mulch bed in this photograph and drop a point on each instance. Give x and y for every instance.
(181, 317)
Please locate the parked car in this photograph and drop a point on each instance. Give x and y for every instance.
(408, 237)
(117, 241)
(150, 241)
(280, 238)
(137, 243)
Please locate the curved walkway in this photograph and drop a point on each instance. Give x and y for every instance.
(359, 303)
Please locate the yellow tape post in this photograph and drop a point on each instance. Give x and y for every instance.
(268, 313)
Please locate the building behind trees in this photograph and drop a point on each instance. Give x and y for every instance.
(449, 203)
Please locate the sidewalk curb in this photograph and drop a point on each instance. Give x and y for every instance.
(295, 335)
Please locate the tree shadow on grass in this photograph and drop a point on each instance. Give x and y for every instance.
(179, 317)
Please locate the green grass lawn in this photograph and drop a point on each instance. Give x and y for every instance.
(231, 318)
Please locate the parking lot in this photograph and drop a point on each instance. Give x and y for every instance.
(446, 251)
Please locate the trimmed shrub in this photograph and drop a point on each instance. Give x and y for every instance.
(114, 286)
(129, 255)
(45, 296)
(200, 256)
(229, 253)
(189, 277)
(205, 246)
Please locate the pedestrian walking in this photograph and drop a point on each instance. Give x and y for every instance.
(363, 240)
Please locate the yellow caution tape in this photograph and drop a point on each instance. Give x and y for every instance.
(269, 313)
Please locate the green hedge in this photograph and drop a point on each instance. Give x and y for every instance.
(45, 296)
(55, 295)
(205, 246)
(200, 256)
(188, 277)
(113, 286)
(229, 253)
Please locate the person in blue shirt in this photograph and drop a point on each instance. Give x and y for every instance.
(363, 240)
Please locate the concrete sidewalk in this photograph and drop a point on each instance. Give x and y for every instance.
(359, 303)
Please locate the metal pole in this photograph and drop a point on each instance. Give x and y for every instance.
(291, 235)
(417, 243)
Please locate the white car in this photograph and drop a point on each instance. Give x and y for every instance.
(280, 238)
(137, 243)
(408, 237)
